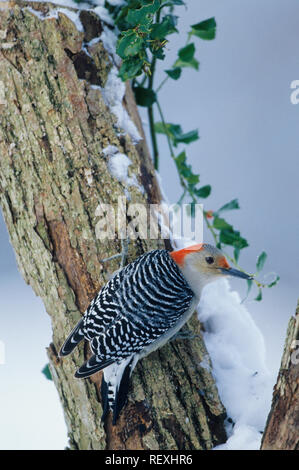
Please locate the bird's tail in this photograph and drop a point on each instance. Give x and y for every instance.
(93, 365)
(115, 386)
(73, 339)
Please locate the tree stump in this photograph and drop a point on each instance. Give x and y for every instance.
(282, 428)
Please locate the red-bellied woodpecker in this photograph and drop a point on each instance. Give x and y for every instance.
(139, 310)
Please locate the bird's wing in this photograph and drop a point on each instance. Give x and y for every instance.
(104, 309)
(74, 338)
(136, 307)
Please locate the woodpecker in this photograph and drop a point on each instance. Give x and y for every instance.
(139, 310)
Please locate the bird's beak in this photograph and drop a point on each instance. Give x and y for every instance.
(235, 273)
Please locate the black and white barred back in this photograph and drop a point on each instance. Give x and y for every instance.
(139, 305)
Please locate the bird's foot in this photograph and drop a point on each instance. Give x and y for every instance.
(124, 252)
(123, 255)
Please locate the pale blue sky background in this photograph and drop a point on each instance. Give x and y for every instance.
(240, 102)
(248, 147)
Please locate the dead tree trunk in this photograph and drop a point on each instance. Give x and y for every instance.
(54, 126)
(282, 428)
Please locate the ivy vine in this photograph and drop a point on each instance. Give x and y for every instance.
(143, 30)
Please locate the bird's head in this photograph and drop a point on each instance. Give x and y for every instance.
(202, 264)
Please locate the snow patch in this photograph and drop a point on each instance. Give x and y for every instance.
(118, 166)
(72, 15)
(243, 438)
(205, 363)
(109, 40)
(159, 179)
(237, 352)
(117, 3)
(114, 90)
(102, 12)
(72, 4)
(88, 176)
(113, 94)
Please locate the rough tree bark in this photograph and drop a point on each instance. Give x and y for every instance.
(54, 126)
(282, 428)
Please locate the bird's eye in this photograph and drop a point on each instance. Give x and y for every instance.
(210, 259)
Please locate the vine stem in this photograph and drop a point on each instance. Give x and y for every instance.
(165, 129)
(150, 108)
(183, 184)
(162, 83)
(153, 137)
(185, 187)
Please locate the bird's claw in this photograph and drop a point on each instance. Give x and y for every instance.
(123, 255)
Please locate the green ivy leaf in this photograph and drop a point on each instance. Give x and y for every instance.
(236, 254)
(137, 16)
(174, 131)
(249, 286)
(205, 29)
(131, 68)
(186, 57)
(129, 45)
(158, 53)
(273, 283)
(259, 295)
(192, 178)
(144, 96)
(174, 73)
(185, 170)
(187, 53)
(166, 27)
(193, 63)
(234, 204)
(233, 238)
(167, 129)
(203, 192)
(261, 261)
(221, 224)
(186, 138)
(46, 372)
(181, 159)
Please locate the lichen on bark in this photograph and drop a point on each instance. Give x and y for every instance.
(53, 174)
(282, 428)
